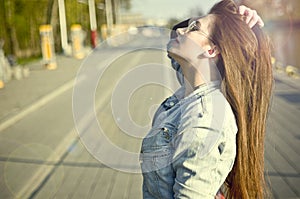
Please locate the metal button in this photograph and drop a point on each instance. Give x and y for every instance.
(167, 136)
(166, 132)
(165, 129)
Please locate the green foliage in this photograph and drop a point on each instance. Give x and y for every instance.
(26, 60)
(125, 4)
(20, 21)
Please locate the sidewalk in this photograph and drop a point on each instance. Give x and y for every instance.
(81, 176)
(19, 94)
(26, 97)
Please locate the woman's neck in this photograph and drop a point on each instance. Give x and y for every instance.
(198, 74)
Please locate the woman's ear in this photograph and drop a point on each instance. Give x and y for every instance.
(210, 53)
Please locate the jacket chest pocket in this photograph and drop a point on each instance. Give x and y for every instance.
(159, 137)
(155, 159)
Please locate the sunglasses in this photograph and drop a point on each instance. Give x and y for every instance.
(194, 27)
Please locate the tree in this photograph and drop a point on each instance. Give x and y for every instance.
(21, 19)
(9, 15)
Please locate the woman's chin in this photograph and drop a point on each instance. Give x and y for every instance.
(172, 53)
(175, 56)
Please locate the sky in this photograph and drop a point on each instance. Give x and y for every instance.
(165, 9)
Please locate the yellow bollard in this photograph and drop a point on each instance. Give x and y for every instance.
(104, 31)
(1, 84)
(77, 37)
(273, 61)
(292, 71)
(47, 44)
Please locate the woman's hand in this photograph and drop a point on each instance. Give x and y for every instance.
(251, 16)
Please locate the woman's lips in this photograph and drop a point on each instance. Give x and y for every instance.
(176, 40)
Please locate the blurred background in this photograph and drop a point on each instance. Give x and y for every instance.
(21, 19)
(43, 44)
(282, 19)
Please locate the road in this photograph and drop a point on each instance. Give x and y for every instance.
(54, 151)
(283, 138)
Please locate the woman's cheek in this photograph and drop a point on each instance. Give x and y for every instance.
(188, 50)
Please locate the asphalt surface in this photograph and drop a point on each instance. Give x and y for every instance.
(47, 125)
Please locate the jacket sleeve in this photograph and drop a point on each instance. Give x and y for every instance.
(202, 160)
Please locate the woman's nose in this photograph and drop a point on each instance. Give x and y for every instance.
(180, 31)
(173, 34)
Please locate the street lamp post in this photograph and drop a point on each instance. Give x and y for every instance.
(93, 23)
(109, 16)
(63, 26)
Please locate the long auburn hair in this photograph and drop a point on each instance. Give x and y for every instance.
(247, 83)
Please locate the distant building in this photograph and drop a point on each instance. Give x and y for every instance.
(132, 19)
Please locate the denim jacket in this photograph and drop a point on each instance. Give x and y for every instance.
(191, 146)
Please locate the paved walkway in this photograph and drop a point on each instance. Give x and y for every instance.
(78, 175)
(18, 94)
(283, 139)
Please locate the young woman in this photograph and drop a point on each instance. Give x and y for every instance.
(211, 131)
